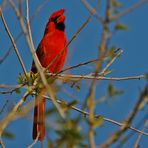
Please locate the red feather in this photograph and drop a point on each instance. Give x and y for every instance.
(50, 47)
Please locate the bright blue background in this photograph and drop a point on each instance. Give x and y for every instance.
(134, 61)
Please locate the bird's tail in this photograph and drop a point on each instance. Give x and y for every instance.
(39, 119)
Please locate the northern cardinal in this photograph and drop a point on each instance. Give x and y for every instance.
(49, 51)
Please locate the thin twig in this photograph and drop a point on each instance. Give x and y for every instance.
(13, 43)
(117, 134)
(140, 135)
(2, 143)
(11, 86)
(21, 33)
(34, 141)
(6, 54)
(71, 77)
(9, 91)
(3, 5)
(14, 114)
(109, 64)
(20, 18)
(11, 114)
(32, 49)
(92, 90)
(3, 107)
(131, 134)
(128, 10)
(38, 65)
(38, 9)
(98, 116)
(138, 77)
(81, 77)
(78, 65)
(20, 6)
(91, 107)
(92, 10)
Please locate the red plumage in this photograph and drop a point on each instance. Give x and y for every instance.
(49, 51)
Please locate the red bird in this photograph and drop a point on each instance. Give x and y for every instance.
(51, 45)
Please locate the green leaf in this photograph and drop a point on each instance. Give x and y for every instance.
(78, 88)
(21, 79)
(146, 76)
(112, 91)
(108, 72)
(18, 91)
(121, 26)
(50, 111)
(8, 135)
(116, 3)
(75, 85)
(50, 143)
(111, 51)
(69, 133)
(69, 105)
(51, 80)
(74, 102)
(123, 139)
(98, 122)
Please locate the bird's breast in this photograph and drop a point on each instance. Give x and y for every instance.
(54, 51)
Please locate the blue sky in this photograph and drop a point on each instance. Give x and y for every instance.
(133, 62)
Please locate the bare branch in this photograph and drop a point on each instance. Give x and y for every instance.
(131, 134)
(34, 141)
(2, 143)
(11, 86)
(91, 117)
(98, 117)
(3, 107)
(78, 65)
(13, 43)
(11, 114)
(92, 10)
(6, 54)
(140, 135)
(109, 64)
(21, 33)
(129, 10)
(39, 9)
(4, 4)
(91, 76)
(116, 135)
(38, 65)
